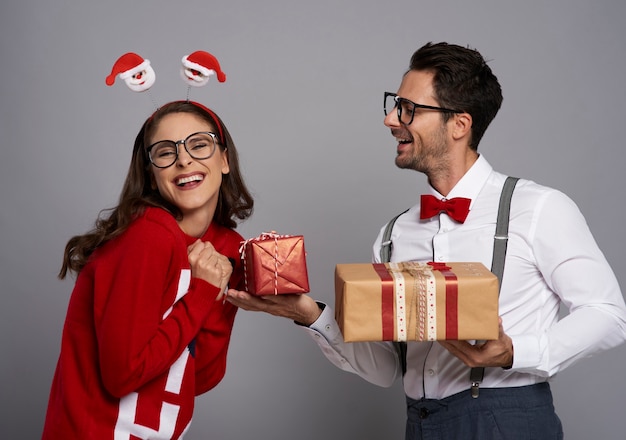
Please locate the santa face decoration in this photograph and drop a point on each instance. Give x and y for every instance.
(194, 77)
(142, 80)
(198, 68)
(134, 70)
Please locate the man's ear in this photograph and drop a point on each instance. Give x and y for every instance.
(462, 125)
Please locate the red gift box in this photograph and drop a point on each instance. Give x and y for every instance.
(275, 264)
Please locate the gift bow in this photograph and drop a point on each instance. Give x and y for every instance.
(438, 266)
(263, 236)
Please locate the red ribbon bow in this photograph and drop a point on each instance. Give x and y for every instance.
(438, 266)
(457, 208)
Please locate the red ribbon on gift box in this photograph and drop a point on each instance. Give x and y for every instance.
(388, 299)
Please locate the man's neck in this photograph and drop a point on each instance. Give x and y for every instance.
(444, 180)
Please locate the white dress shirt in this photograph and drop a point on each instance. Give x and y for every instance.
(552, 260)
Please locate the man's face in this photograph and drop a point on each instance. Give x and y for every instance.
(423, 144)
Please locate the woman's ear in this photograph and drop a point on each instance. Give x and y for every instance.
(225, 166)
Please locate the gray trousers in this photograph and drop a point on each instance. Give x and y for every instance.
(519, 413)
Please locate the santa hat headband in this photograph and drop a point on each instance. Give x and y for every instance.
(196, 70)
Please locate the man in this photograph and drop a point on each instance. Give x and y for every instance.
(445, 102)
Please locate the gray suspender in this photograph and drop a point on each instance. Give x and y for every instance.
(501, 238)
(500, 241)
(386, 245)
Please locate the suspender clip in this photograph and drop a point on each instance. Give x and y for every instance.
(475, 386)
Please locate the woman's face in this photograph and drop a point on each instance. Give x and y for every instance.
(190, 184)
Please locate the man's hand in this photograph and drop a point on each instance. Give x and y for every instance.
(300, 308)
(496, 353)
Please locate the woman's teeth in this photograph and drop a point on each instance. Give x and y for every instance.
(183, 180)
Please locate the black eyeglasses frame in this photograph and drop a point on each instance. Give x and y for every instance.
(184, 144)
(415, 105)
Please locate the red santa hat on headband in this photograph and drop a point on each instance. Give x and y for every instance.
(134, 70)
(198, 68)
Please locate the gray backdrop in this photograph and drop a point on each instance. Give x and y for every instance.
(303, 100)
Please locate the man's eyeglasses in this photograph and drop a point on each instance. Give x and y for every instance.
(200, 145)
(406, 108)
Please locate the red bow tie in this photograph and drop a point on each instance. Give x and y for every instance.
(457, 208)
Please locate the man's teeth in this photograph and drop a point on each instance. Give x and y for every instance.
(184, 180)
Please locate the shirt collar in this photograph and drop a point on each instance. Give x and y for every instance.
(471, 183)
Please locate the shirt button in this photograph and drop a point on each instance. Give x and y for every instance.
(327, 327)
(431, 372)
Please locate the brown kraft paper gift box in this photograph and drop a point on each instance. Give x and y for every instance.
(275, 264)
(416, 301)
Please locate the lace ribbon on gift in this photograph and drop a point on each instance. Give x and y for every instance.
(400, 302)
(423, 300)
(263, 237)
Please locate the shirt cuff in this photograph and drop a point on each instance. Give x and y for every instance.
(325, 324)
(527, 352)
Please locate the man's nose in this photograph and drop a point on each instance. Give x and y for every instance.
(391, 119)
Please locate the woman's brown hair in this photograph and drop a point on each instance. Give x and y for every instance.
(234, 202)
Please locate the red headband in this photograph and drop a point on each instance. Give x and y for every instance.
(215, 118)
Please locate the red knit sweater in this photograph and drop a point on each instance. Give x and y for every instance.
(141, 337)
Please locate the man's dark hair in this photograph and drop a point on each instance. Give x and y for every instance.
(462, 81)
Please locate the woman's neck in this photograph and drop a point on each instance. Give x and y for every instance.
(196, 223)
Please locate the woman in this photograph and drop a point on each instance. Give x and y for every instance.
(146, 328)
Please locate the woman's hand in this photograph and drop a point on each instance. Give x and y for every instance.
(298, 307)
(209, 265)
